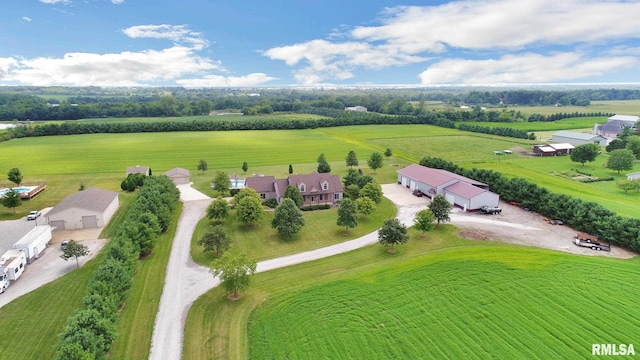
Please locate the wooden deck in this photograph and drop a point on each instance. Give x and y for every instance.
(33, 193)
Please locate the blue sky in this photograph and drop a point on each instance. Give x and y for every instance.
(234, 43)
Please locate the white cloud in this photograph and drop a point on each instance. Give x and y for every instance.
(179, 34)
(55, 1)
(525, 68)
(117, 1)
(227, 81)
(410, 34)
(118, 69)
(27, 19)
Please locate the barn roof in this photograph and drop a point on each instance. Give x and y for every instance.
(464, 190)
(92, 199)
(429, 176)
(576, 135)
(562, 146)
(624, 118)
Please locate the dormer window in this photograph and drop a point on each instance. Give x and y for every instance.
(302, 188)
(325, 186)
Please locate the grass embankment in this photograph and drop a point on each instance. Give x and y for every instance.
(437, 297)
(262, 242)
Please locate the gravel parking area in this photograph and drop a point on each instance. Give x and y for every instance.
(513, 225)
(49, 266)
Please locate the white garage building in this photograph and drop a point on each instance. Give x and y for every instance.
(90, 208)
(460, 191)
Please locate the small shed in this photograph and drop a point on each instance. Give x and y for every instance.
(12, 264)
(178, 175)
(34, 242)
(633, 176)
(562, 149)
(144, 170)
(543, 150)
(90, 208)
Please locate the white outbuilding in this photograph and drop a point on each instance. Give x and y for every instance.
(90, 208)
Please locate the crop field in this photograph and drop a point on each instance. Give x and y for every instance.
(471, 303)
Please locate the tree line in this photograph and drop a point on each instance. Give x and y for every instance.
(561, 115)
(92, 328)
(586, 216)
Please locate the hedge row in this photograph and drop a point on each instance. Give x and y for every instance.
(315, 207)
(342, 118)
(586, 216)
(91, 330)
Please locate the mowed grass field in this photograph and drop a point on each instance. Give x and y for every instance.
(477, 302)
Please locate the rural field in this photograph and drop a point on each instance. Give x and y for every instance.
(440, 285)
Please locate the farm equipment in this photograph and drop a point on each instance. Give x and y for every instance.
(490, 210)
(590, 241)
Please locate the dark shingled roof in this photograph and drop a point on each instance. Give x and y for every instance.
(313, 183)
(261, 184)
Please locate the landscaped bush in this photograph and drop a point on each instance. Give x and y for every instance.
(584, 216)
(233, 192)
(91, 330)
(315, 207)
(582, 172)
(271, 203)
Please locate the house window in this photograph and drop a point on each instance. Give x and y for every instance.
(336, 196)
(312, 199)
(325, 186)
(263, 196)
(302, 187)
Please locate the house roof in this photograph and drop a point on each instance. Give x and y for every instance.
(261, 184)
(429, 176)
(281, 186)
(464, 190)
(562, 146)
(313, 182)
(137, 169)
(544, 148)
(92, 199)
(177, 172)
(576, 135)
(624, 118)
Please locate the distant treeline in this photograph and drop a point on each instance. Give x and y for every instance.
(342, 118)
(41, 103)
(589, 217)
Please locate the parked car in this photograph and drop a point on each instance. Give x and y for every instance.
(418, 193)
(33, 215)
(64, 244)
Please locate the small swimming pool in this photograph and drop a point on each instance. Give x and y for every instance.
(237, 183)
(20, 190)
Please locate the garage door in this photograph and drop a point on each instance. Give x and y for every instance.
(89, 222)
(412, 185)
(58, 224)
(450, 198)
(404, 181)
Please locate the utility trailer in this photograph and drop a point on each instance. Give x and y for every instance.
(12, 265)
(590, 241)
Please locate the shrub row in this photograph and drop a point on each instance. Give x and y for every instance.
(582, 215)
(500, 131)
(91, 330)
(582, 172)
(597, 180)
(315, 207)
(560, 116)
(271, 203)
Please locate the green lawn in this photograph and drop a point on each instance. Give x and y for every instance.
(503, 301)
(477, 302)
(262, 242)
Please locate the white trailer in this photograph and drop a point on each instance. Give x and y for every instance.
(4, 282)
(13, 263)
(34, 242)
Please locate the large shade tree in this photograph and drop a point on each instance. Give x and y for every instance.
(11, 199)
(621, 159)
(585, 152)
(15, 176)
(217, 239)
(424, 221)
(234, 273)
(375, 161)
(347, 214)
(249, 210)
(221, 182)
(440, 208)
(74, 250)
(352, 159)
(392, 233)
(287, 219)
(218, 210)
